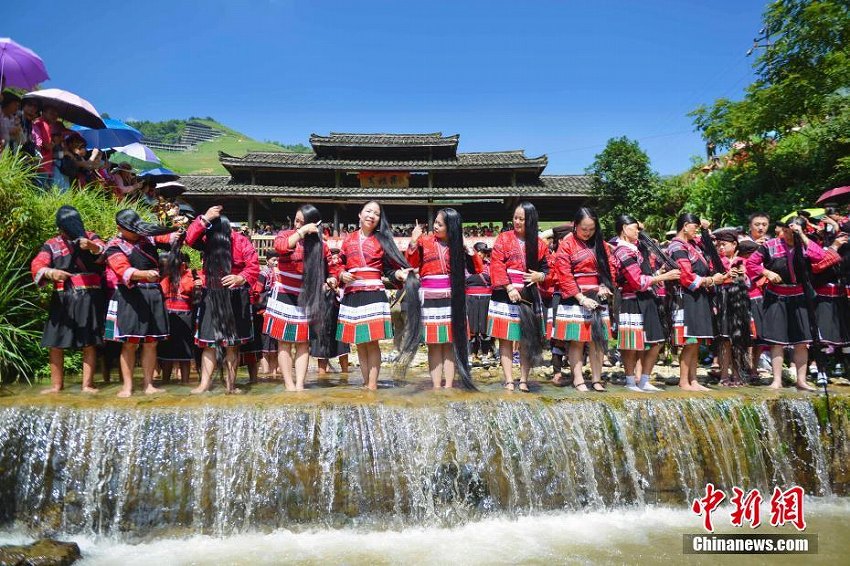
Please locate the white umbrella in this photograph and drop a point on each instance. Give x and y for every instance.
(139, 151)
(70, 106)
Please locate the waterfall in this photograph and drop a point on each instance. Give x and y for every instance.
(140, 472)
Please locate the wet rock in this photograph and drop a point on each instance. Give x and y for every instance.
(44, 552)
(840, 381)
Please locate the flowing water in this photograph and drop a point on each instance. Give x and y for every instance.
(549, 478)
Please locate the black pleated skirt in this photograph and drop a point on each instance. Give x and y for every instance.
(639, 323)
(786, 319)
(210, 335)
(476, 312)
(137, 314)
(693, 319)
(832, 318)
(180, 344)
(75, 319)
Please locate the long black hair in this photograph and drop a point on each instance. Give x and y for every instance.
(530, 315)
(457, 277)
(410, 305)
(315, 299)
(597, 242)
(686, 218)
(315, 267)
(599, 334)
(218, 262)
(173, 262)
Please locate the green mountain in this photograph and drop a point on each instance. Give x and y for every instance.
(203, 159)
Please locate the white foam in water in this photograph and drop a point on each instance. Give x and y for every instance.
(650, 534)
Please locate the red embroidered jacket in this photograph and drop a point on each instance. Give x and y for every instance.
(634, 274)
(245, 261)
(693, 267)
(509, 254)
(777, 256)
(577, 268)
(125, 257)
(56, 253)
(432, 258)
(479, 283)
(290, 266)
(364, 259)
(179, 299)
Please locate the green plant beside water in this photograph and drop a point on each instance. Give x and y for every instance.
(27, 220)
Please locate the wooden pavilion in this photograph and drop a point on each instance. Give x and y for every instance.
(414, 175)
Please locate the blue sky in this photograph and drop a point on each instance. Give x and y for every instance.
(553, 77)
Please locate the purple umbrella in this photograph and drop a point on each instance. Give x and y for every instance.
(19, 66)
(70, 106)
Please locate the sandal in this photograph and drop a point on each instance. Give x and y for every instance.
(509, 385)
(593, 387)
(577, 385)
(559, 381)
(523, 387)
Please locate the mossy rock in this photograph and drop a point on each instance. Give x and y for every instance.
(44, 552)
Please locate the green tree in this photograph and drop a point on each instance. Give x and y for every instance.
(805, 64)
(623, 180)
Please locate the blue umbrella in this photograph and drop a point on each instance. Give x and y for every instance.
(159, 175)
(116, 134)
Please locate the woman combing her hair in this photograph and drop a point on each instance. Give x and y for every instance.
(443, 262)
(71, 261)
(692, 317)
(518, 263)
(231, 267)
(585, 279)
(136, 313)
(296, 300)
(786, 262)
(640, 330)
(364, 315)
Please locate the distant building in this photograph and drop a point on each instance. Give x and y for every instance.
(413, 174)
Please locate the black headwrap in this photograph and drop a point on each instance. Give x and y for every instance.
(69, 221)
(130, 220)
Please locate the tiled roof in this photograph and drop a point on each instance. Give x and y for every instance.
(384, 140)
(549, 186)
(279, 159)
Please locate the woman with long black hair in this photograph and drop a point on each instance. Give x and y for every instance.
(178, 287)
(735, 325)
(296, 300)
(364, 315)
(75, 316)
(231, 267)
(478, 291)
(585, 280)
(136, 313)
(640, 330)
(443, 260)
(786, 263)
(518, 263)
(692, 315)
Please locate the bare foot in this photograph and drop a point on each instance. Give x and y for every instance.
(805, 387)
(234, 391)
(50, 390)
(697, 386)
(124, 393)
(151, 390)
(687, 387)
(90, 390)
(198, 390)
(775, 386)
